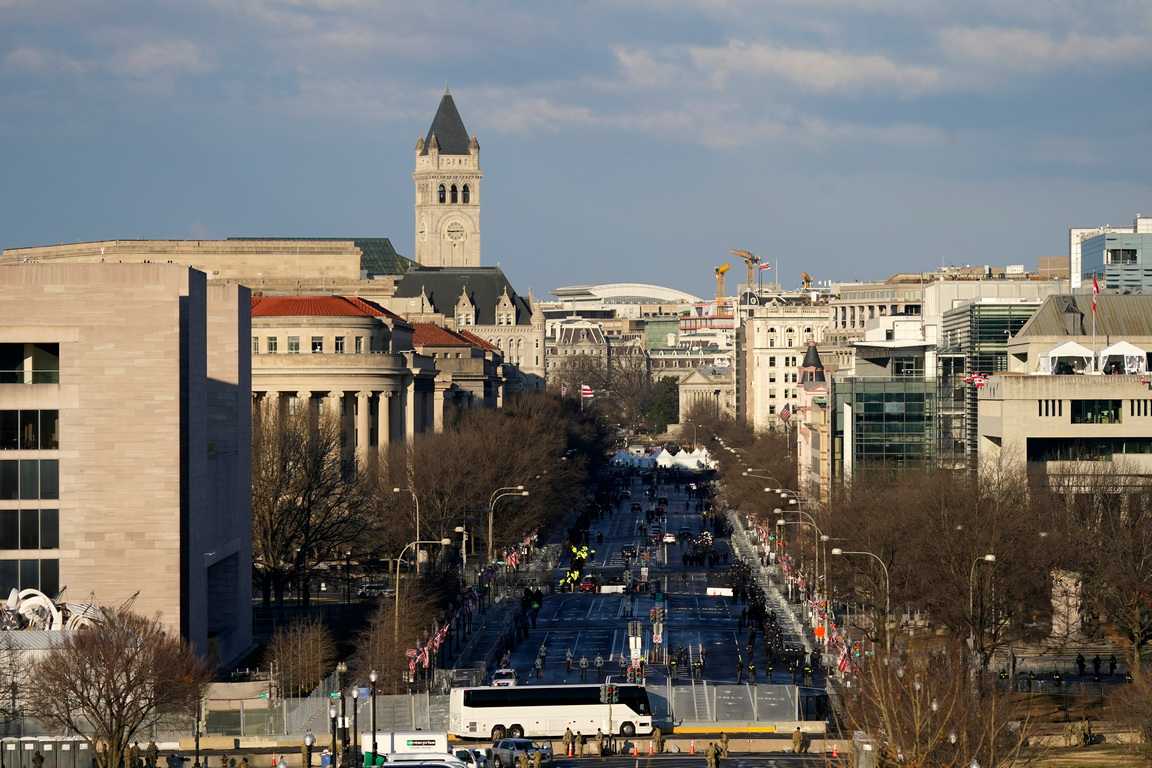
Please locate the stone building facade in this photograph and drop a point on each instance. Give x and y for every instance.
(130, 476)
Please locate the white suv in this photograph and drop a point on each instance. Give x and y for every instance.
(505, 752)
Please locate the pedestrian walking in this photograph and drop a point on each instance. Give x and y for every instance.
(723, 745)
(1080, 663)
(797, 740)
(751, 672)
(583, 667)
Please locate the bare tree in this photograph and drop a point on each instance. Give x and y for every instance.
(302, 654)
(923, 709)
(307, 503)
(382, 646)
(114, 679)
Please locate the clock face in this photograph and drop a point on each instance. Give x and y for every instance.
(455, 232)
(423, 231)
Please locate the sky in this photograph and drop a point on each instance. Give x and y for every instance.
(621, 140)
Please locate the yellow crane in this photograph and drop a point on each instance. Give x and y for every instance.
(807, 280)
(751, 260)
(720, 281)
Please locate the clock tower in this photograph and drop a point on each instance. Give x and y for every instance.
(447, 180)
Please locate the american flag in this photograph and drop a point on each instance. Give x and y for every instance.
(563, 390)
(842, 664)
(765, 265)
(585, 390)
(785, 413)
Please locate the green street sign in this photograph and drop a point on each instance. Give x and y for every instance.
(263, 695)
(334, 695)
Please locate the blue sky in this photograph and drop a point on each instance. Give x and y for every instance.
(631, 140)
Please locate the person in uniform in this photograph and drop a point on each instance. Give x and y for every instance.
(599, 666)
(536, 759)
(583, 667)
(599, 743)
(153, 754)
(567, 740)
(723, 745)
(568, 658)
(797, 740)
(657, 741)
(579, 744)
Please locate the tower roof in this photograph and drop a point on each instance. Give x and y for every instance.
(448, 129)
(812, 358)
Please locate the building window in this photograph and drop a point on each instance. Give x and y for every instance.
(294, 344)
(29, 430)
(43, 575)
(339, 345)
(30, 529)
(29, 479)
(255, 344)
(467, 194)
(359, 344)
(1096, 411)
(441, 193)
(454, 200)
(44, 362)
(317, 344)
(270, 344)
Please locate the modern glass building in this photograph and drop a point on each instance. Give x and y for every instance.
(1119, 261)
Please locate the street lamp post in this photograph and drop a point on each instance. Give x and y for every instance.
(500, 493)
(333, 713)
(989, 558)
(341, 671)
(887, 592)
(355, 725)
(373, 676)
(309, 740)
(396, 611)
(416, 501)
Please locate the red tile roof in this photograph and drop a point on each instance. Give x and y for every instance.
(317, 306)
(480, 342)
(429, 335)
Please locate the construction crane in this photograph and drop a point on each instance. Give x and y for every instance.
(807, 280)
(720, 282)
(751, 260)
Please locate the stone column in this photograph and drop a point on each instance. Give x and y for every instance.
(412, 406)
(304, 401)
(363, 430)
(443, 384)
(384, 420)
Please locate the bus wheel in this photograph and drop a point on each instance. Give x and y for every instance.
(516, 732)
(498, 733)
(627, 729)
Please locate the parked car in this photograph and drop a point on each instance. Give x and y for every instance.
(376, 590)
(473, 758)
(505, 751)
(505, 677)
(588, 584)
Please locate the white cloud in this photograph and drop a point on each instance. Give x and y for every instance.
(822, 71)
(1037, 51)
(179, 57)
(39, 62)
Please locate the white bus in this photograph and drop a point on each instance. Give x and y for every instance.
(546, 710)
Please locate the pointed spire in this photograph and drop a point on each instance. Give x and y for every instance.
(448, 128)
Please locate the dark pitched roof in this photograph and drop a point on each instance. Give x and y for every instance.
(1116, 315)
(812, 359)
(377, 256)
(812, 370)
(450, 132)
(443, 286)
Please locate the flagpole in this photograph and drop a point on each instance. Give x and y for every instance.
(1095, 291)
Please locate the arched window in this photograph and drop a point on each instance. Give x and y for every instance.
(466, 195)
(453, 193)
(441, 193)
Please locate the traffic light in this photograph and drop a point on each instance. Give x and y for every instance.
(856, 650)
(658, 614)
(653, 614)
(604, 694)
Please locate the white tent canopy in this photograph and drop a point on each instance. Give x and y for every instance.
(1066, 357)
(1127, 358)
(663, 458)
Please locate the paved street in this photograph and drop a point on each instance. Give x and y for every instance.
(589, 623)
(783, 760)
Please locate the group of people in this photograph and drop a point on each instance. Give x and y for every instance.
(1079, 733)
(714, 751)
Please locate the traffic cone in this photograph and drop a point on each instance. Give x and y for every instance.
(649, 747)
(569, 749)
(692, 747)
(834, 749)
(635, 749)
